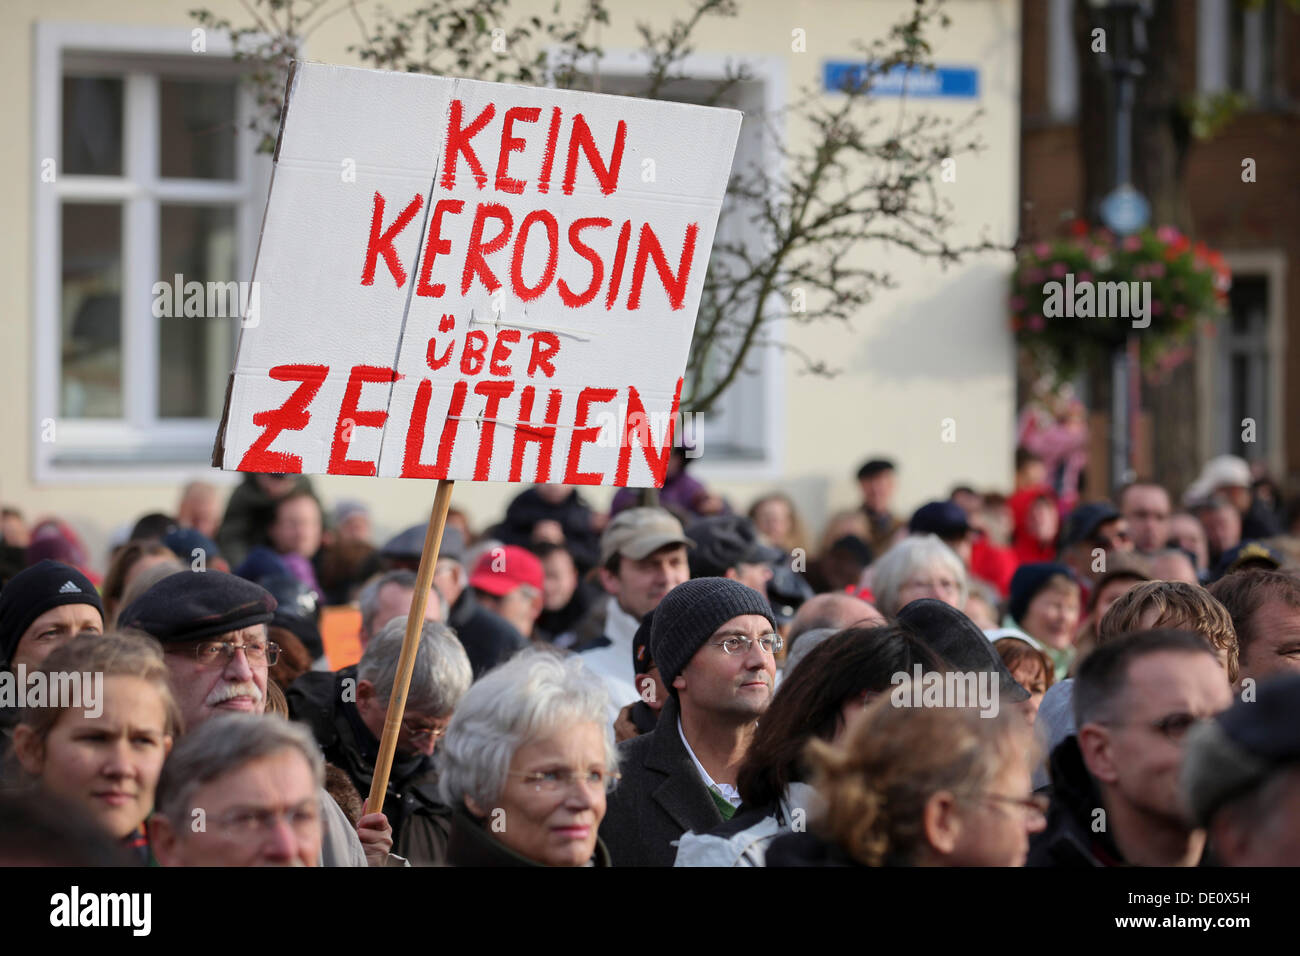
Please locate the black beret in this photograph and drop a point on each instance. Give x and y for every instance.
(191, 605)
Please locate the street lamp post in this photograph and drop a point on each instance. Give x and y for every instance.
(1124, 210)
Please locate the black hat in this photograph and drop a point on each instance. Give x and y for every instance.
(690, 613)
(1239, 749)
(642, 661)
(297, 610)
(1028, 580)
(35, 590)
(875, 467)
(1082, 523)
(409, 544)
(946, 519)
(959, 642)
(191, 605)
(723, 542)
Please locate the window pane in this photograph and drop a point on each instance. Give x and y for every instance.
(196, 342)
(197, 129)
(92, 126)
(90, 311)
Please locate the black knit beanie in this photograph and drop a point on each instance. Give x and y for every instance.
(33, 591)
(690, 613)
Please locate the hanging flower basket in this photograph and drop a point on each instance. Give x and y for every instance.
(1076, 299)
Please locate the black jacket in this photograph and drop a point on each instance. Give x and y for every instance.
(660, 797)
(488, 639)
(472, 845)
(249, 514)
(1069, 839)
(572, 514)
(806, 849)
(420, 822)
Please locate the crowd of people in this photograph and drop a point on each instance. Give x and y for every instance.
(996, 679)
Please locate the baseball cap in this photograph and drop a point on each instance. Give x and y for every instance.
(501, 570)
(947, 519)
(639, 532)
(1082, 523)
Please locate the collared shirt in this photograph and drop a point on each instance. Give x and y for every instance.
(724, 790)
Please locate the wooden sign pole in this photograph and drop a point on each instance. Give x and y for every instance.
(410, 645)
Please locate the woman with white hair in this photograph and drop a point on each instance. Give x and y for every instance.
(527, 761)
(920, 566)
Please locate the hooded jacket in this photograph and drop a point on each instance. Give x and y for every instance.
(745, 838)
(1027, 549)
(420, 822)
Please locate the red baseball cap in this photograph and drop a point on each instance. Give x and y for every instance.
(501, 570)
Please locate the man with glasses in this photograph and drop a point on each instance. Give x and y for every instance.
(212, 627)
(346, 712)
(714, 641)
(1115, 783)
(240, 791)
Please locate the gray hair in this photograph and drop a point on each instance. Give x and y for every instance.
(442, 671)
(222, 745)
(903, 560)
(369, 597)
(530, 695)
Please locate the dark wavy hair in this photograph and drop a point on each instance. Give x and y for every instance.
(810, 701)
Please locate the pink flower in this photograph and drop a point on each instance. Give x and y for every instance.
(1156, 270)
(1036, 323)
(1167, 234)
(1157, 307)
(1017, 303)
(1042, 250)
(1059, 270)
(1132, 243)
(1085, 276)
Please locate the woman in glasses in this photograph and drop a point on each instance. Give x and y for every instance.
(920, 786)
(97, 743)
(526, 763)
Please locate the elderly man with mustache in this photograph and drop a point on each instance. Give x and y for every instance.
(212, 627)
(715, 641)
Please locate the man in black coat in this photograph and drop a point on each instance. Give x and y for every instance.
(714, 642)
(346, 712)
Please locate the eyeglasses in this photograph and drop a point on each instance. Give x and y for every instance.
(208, 653)
(558, 781)
(421, 734)
(740, 644)
(1035, 805)
(258, 821)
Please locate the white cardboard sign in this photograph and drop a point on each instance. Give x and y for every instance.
(472, 280)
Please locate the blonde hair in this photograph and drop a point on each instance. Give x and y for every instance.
(891, 760)
(112, 655)
(1177, 606)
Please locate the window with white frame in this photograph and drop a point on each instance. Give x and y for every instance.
(740, 436)
(1245, 373)
(1236, 50)
(151, 181)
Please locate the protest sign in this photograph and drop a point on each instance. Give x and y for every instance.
(459, 279)
(468, 280)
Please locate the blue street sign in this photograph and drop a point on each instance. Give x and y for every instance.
(948, 82)
(1125, 210)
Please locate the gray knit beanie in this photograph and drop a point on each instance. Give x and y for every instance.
(690, 613)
